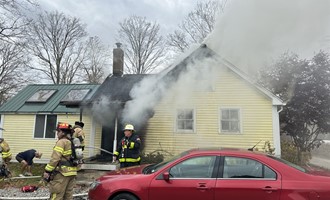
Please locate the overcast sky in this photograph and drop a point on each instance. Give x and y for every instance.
(247, 32)
(102, 16)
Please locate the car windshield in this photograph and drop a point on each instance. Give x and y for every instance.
(289, 163)
(154, 168)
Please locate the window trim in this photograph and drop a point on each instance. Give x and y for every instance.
(185, 131)
(240, 120)
(45, 126)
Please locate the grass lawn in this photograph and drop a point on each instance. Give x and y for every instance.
(15, 169)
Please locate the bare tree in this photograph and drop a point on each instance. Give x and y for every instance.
(144, 46)
(97, 59)
(12, 20)
(13, 62)
(196, 25)
(57, 43)
(13, 57)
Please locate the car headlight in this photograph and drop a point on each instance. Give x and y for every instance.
(94, 184)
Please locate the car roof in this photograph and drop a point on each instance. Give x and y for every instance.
(224, 150)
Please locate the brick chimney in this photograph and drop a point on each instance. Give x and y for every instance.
(118, 61)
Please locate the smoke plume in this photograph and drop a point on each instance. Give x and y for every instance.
(251, 32)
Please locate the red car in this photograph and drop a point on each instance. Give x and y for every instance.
(209, 174)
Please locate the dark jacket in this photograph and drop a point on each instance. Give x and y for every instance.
(129, 149)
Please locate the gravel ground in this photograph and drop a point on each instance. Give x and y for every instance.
(84, 178)
(40, 192)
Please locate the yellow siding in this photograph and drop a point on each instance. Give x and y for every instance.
(19, 133)
(229, 91)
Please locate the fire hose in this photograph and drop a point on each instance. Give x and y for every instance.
(100, 149)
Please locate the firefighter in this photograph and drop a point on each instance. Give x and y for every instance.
(128, 151)
(60, 171)
(79, 133)
(5, 151)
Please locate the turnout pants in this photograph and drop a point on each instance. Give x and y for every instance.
(61, 187)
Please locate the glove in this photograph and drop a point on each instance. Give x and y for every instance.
(114, 158)
(47, 176)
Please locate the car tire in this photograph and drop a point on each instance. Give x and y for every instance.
(124, 196)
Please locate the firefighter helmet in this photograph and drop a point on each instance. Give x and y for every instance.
(65, 127)
(129, 127)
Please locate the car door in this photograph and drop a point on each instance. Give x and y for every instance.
(246, 178)
(191, 179)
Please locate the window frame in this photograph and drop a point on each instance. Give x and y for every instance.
(177, 130)
(33, 98)
(240, 131)
(45, 126)
(70, 96)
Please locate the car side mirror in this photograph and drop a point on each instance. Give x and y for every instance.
(166, 176)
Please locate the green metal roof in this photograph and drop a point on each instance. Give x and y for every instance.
(18, 104)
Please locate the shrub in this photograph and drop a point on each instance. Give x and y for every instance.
(153, 157)
(290, 153)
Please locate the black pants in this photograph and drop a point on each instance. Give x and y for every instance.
(128, 164)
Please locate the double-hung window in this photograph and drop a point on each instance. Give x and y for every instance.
(230, 120)
(44, 126)
(185, 120)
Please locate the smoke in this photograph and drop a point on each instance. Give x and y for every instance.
(251, 32)
(101, 108)
(183, 79)
(145, 95)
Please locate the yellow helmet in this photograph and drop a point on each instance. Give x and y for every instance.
(129, 127)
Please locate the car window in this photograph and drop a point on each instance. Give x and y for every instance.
(156, 167)
(235, 167)
(198, 167)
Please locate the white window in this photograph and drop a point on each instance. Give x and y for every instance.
(230, 120)
(44, 126)
(185, 120)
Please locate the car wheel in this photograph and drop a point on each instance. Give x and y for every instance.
(124, 196)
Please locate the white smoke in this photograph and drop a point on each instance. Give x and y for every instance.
(199, 75)
(100, 110)
(144, 96)
(251, 32)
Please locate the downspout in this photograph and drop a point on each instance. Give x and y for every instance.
(81, 113)
(276, 130)
(280, 110)
(115, 136)
(2, 118)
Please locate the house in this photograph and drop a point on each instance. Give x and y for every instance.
(204, 101)
(29, 118)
